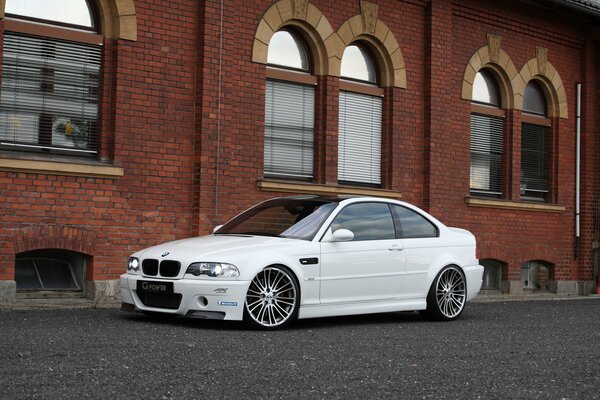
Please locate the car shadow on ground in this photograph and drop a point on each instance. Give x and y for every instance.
(302, 324)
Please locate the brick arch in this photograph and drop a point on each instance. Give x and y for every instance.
(540, 70)
(494, 58)
(495, 251)
(546, 254)
(307, 19)
(380, 39)
(54, 237)
(117, 18)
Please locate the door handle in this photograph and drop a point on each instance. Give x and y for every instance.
(397, 247)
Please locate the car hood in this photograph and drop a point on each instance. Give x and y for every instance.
(216, 248)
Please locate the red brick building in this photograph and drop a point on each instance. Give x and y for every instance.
(133, 122)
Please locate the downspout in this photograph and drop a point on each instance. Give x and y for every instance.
(578, 170)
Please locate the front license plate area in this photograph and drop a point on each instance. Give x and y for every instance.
(154, 287)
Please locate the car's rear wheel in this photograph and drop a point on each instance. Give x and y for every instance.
(272, 299)
(447, 295)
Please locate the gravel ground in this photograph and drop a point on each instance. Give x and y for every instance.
(497, 350)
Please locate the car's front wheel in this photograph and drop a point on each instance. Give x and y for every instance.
(447, 295)
(272, 299)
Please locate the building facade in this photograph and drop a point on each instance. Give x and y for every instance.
(134, 122)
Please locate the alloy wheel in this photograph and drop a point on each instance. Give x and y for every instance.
(272, 298)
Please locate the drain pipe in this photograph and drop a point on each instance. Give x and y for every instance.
(578, 170)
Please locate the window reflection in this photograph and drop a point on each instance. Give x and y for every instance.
(74, 12)
(534, 101)
(357, 64)
(287, 50)
(368, 221)
(485, 89)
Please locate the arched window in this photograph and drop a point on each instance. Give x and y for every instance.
(487, 136)
(289, 108)
(50, 77)
(492, 274)
(535, 143)
(50, 270)
(535, 275)
(361, 99)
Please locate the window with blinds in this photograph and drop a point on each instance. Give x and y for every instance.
(289, 129)
(534, 161)
(487, 143)
(49, 94)
(359, 142)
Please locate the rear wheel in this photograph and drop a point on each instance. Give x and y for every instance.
(447, 295)
(272, 299)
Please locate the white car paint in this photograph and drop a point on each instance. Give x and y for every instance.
(334, 278)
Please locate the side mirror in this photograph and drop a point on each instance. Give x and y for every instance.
(216, 228)
(342, 235)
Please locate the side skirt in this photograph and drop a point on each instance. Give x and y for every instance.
(339, 309)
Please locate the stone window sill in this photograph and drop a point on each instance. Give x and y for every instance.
(327, 190)
(85, 168)
(514, 205)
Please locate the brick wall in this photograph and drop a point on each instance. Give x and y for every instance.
(183, 116)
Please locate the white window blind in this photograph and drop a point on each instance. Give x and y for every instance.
(289, 129)
(49, 94)
(359, 142)
(487, 142)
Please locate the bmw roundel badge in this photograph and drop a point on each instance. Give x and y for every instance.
(165, 254)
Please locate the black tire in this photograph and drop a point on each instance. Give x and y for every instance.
(448, 295)
(272, 300)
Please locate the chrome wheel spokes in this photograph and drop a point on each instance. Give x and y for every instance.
(451, 292)
(272, 296)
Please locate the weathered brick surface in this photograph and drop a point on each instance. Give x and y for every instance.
(183, 114)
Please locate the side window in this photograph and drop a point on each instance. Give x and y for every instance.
(410, 224)
(368, 221)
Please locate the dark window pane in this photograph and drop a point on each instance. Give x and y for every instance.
(410, 224)
(55, 274)
(53, 270)
(368, 221)
(534, 161)
(492, 274)
(26, 276)
(534, 101)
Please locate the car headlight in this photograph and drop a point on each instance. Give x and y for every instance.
(213, 270)
(133, 264)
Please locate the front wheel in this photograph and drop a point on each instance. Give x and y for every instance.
(273, 299)
(447, 295)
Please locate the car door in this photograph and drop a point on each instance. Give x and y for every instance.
(421, 244)
(367, 268)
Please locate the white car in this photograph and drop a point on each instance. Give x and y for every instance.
(307, 257)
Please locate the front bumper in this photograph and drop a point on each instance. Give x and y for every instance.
(214, 299)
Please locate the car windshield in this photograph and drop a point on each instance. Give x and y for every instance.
(292, 218)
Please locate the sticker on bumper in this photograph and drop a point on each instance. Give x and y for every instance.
(227, 303)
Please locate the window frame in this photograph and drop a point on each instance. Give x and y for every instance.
(366, 88)
(293, 76)
(491, 111)
(544, 123)
(72, 35)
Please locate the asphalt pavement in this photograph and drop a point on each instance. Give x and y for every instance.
(496, 350)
